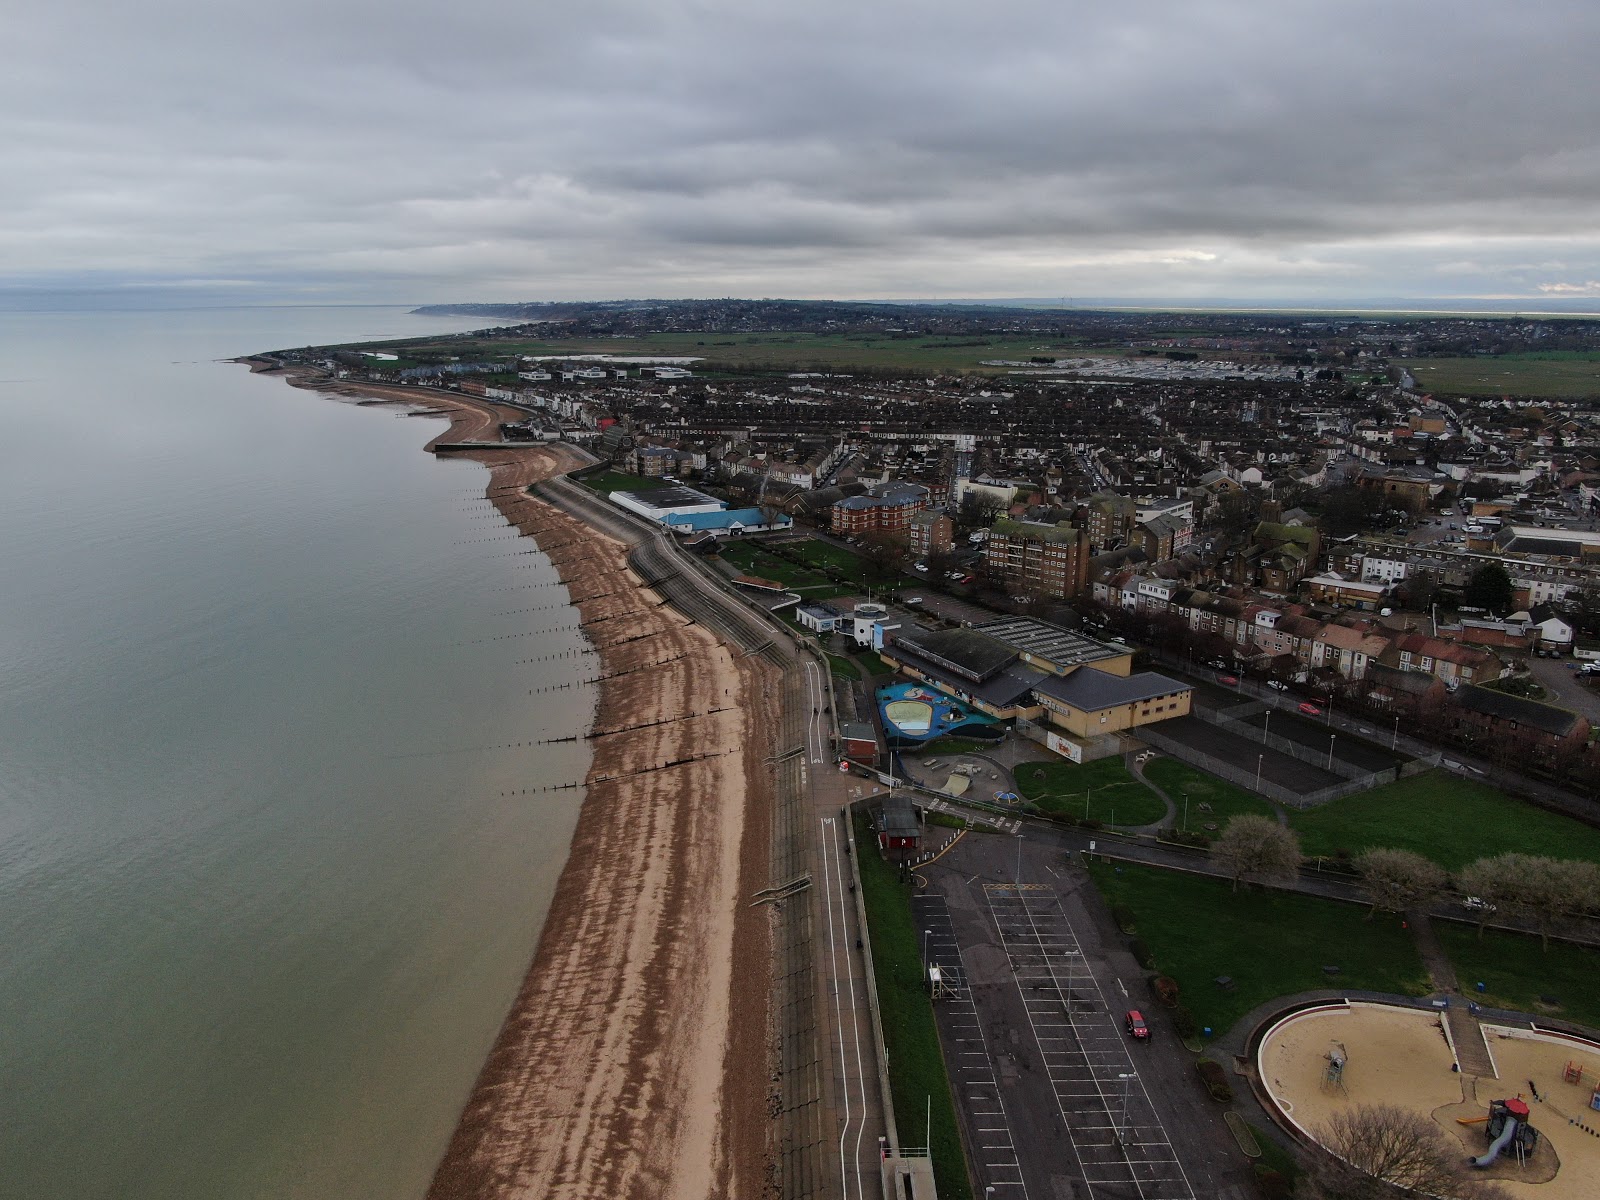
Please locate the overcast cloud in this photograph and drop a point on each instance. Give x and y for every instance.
(482, 150)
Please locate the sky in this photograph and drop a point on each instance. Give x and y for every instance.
(350, 151)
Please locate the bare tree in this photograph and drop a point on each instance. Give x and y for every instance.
(978, 509)
(1258, 848)
(1380, 1152)
(1396, 880)
(1498, 882)
(1556, 891)
(884, 553)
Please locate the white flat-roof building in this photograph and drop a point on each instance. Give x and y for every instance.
(658, 504)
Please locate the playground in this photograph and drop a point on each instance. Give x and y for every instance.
(1532, 1124)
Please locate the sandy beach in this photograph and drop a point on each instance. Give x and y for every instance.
(635, 1059)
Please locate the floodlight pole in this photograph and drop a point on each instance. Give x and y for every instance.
(1122, 1124)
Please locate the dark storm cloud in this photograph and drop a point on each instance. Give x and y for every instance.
(484, 149)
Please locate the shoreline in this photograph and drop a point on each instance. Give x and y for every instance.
(635, 1058)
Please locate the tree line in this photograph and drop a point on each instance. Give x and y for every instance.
(1547, 893)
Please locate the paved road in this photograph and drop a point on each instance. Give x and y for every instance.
(1566, 687)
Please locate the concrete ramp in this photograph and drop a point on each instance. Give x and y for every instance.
(1467, 1040)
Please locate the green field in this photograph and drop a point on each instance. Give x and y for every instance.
(810, 576)
(1447, 819)
(620, 481)
(791, 351)
(1556, 374)
(916, 1068)
(842, 667)
(1270, 943)
(752, 559)
(1515, 972)
(1179, 779)
(1114, 796)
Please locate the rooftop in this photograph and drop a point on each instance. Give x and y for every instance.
(674, 497)
(1034, 532)
(971, 655)
(1091, 691)
(1547, 718)
(1055, 645)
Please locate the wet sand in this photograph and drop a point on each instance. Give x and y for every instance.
(635, 1059)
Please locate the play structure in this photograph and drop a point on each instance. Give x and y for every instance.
(1333, 1075)
(1507, 1128)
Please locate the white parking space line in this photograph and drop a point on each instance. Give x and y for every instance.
(1114, 1130)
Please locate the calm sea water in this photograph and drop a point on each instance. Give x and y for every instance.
(264, 899)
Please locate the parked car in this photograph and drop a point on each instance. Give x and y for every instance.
(1137, 1029)
(1229, 680)
(1310, 709)
(1277, 685)
(1478, 904)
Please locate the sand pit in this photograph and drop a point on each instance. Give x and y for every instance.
(1402, 1056)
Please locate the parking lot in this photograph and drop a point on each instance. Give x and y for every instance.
(1056, 1101)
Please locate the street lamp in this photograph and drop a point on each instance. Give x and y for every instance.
(925, 934)
(1331, 738)
(1122, 1125)
(1395, 741)
(1266, 727)
(1186, 812)
(1260, 758)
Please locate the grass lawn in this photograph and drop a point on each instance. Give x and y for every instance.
(1179, 779)
(1450, 820)
(751, 559)
(871, 664)
(1271, 943)
(916, 1067)
(1515, 972)
(843, 667)
(1117, 797)
(620, 481)
(1555, 373)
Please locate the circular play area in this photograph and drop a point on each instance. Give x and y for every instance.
(1530, 1122)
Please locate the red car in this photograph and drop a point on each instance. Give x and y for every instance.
(1137, 1029)
(1310, 709)
(1230, 680)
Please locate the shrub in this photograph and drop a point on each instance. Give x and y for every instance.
(1167, 990)
(1215, 1079)
(1183, 1021)
(1273, 1185)
(1123, 916)
(1141, 953)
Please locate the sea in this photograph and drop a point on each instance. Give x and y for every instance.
(277, 829)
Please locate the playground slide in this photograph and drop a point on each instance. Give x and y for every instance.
(1499, 1144)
